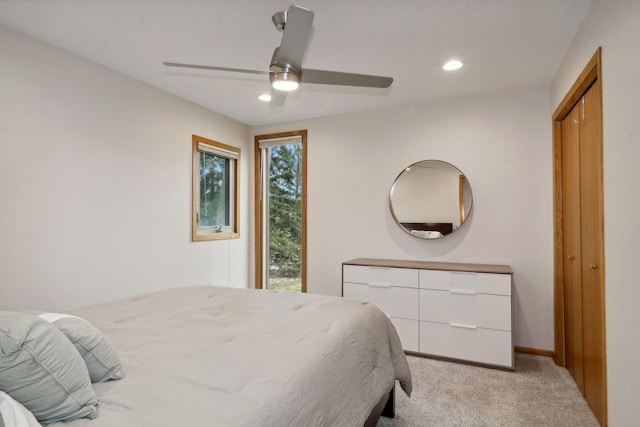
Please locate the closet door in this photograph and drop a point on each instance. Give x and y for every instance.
(579, 238)
(592, 232)
(572, 245)
(583, 253)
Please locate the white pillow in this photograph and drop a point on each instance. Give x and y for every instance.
(14, 414)
(96, 350)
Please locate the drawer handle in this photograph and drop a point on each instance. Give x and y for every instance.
(379, 285)
(459, 325)
(454, 291)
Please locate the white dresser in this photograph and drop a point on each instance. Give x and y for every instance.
(451, 310)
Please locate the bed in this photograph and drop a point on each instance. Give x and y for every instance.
(443, 228)
(428, 230)
(240, 357)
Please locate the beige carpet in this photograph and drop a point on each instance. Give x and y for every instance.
(536, 393)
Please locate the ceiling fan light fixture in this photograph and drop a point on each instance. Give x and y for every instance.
(452, 65)
(286, 81)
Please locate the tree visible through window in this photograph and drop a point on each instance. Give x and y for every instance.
(214, 190)
(285, 211)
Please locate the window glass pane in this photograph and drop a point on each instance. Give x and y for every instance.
(285, 217)
(214, 190)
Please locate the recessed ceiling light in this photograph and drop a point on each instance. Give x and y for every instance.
(265, 97)
(452, 65)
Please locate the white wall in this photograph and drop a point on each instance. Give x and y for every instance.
(613, 25)
(95, 179)
(501, 142)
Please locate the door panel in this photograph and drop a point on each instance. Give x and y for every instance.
(571, 245)
(592, 231)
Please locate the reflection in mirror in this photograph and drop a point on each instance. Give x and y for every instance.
(430, 199)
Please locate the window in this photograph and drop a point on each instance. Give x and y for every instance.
(280, 206)
(215, 190)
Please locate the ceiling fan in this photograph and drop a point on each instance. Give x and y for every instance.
(286, 72)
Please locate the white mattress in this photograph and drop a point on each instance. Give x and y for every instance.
(239, 357)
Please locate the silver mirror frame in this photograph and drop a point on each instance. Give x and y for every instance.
(465, 211)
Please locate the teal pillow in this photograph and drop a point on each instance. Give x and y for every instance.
(41, 369)
(98, 353)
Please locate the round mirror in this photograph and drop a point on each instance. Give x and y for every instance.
(430, 199)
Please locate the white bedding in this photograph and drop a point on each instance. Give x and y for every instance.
(239, 357)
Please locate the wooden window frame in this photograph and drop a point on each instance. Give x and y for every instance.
(258, 205)
(197, 234)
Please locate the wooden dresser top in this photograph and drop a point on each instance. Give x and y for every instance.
(428, 265)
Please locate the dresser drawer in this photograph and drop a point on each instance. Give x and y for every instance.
(464, 281)
(468, 309)
(371, 275)
(394, 301)
(473, 344)
(408, 333)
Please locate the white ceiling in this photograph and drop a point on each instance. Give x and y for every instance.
(504, 44)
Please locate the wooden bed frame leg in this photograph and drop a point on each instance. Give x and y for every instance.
(389, 410)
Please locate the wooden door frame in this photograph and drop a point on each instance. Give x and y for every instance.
(258, 204)
(591, 73)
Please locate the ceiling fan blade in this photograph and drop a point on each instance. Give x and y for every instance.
(211, 67)
(295, 36)
(277, 98)
(344, 79)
